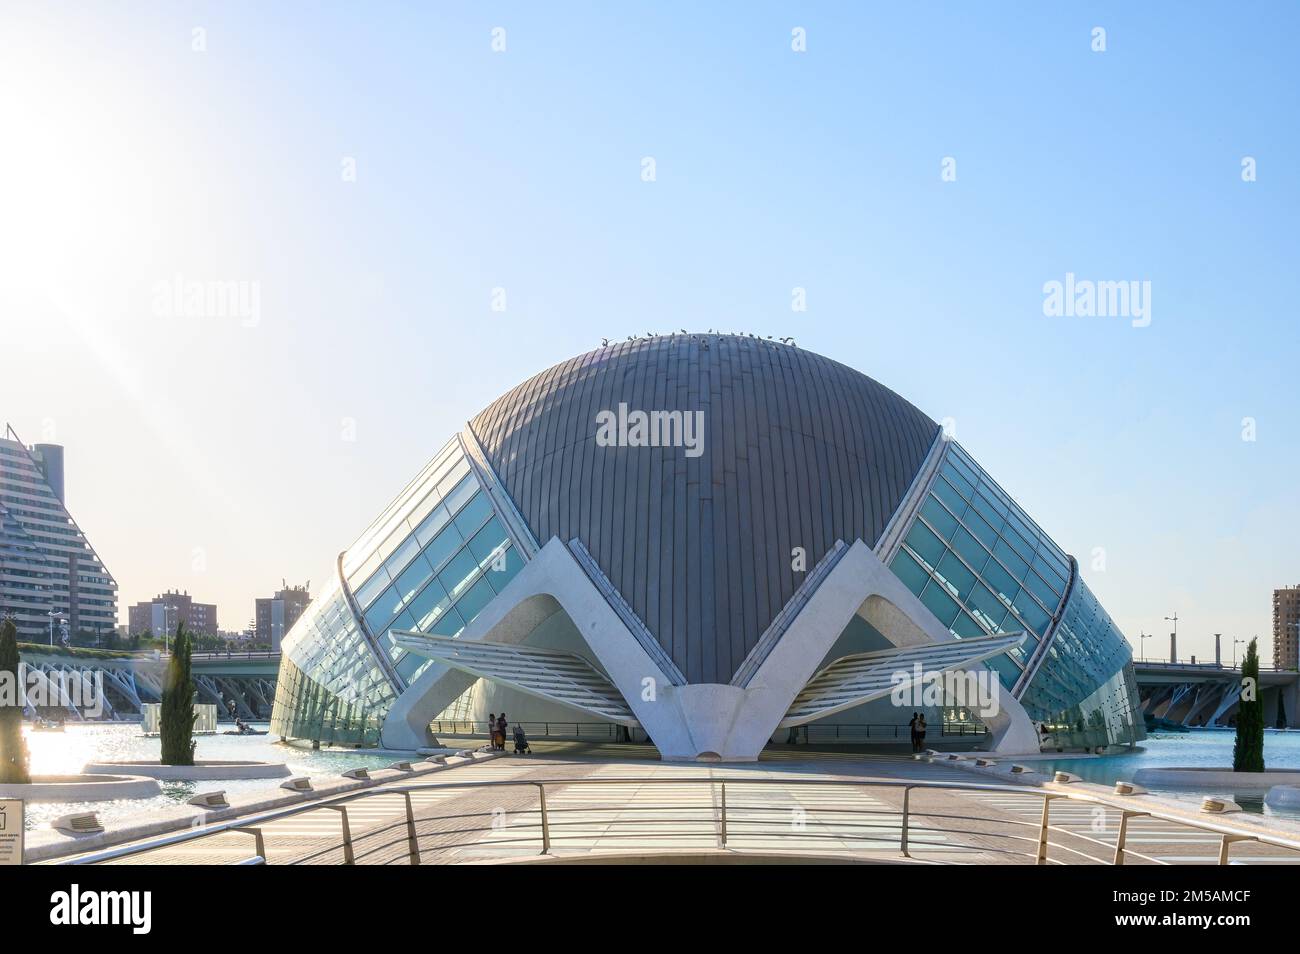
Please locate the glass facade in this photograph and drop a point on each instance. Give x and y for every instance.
(1085, 691)
(431, 562)
(982, 566)
(439, 554)
(331, 687)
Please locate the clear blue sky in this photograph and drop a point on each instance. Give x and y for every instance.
(131, 158)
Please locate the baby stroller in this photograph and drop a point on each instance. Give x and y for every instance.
(521, 741)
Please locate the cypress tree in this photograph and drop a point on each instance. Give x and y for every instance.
(1248, 749)
(177, 713)
(13, 750)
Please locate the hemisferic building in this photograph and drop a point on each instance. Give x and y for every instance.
(712, 542)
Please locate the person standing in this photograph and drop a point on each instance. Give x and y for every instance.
(920, 732)
(911, 727)
(492, 729)
(502, 724)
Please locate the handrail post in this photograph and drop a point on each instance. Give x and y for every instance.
(348, 857)
(258, 840)
(1119, 842)
(1041, 859)
(724, 814)
(1124, 816)
(907, 809)
(546, 828)
(1226, 841)
(412, 841)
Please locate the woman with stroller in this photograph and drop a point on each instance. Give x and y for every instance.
(521, 741)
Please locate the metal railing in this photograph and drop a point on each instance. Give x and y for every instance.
(818, 732)
(722, 818)
(244, 654)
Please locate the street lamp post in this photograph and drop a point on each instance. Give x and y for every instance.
(1142, 638)
(52, 614)
(1235, 641)
(1174, 619)
(167, 629)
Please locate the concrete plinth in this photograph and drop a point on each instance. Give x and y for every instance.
(200, 771)
(83, 788)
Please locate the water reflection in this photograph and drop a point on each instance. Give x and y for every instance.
(65, 753)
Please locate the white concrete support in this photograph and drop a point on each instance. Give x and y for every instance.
(701, 721)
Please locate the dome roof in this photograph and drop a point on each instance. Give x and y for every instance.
(796, 451)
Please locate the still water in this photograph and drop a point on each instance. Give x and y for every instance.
(1203, 748)
(65, 753)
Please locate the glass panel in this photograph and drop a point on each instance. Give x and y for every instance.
(1000, 581)
(963, 468)
(478, 596)
(402, 622)
(473, 515)
(443, 546)
(1031, 613)
(910, 572)
(1021, 527)
(996, 501)
(487, 540)
(958, 578)
(499, 578)
(964, 626)
(456, 577)
(1007, 670)
(978, 526)
(409, 583)
(945, 492)
(409, 665)
(1046, 569)
(460, 496)
(374, 586)
(939, 519)
(1011, 560)
(926, 545)
(432, 524)
(970, 549)
(985, 510)
(452, 478)
(385, 608)
(431, 602)
(1044, 592)
(1018, 543)
(987, 608)
(448, 624)
(402, 556)
(939, 602)
(964, 487)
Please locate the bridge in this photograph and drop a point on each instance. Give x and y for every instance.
(1195, 693)
(130, 680)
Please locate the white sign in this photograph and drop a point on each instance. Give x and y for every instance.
(11, 831)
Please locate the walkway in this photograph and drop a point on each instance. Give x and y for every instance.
(667, 808)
